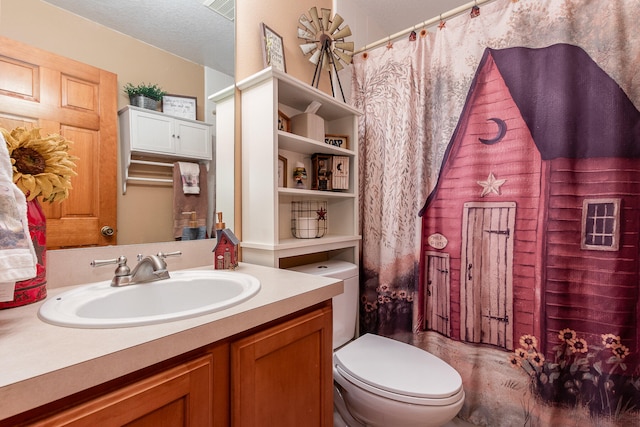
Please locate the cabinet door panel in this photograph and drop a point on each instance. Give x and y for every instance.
(193, 140)
(181, 396)
(282, 376)
(151, 132)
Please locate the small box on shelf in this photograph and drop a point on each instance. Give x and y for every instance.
(309, 125)
(329, 172)
(340, 141)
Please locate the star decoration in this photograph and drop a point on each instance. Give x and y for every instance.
(322, 212)
(389, 45)
(491, 185)
(442, 24)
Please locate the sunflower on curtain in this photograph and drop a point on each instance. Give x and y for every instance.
(500, 157)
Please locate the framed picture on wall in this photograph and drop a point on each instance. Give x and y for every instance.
(284, 123)
(272, 49)
(282, 172)
(180, 106)
(341, 141)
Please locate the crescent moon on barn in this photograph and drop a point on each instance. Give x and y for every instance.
(502, 130)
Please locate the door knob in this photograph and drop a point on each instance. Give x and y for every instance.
(106, 231)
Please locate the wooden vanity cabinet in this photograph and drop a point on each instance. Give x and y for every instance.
(275, 374)
(282, 376)
(180, 396)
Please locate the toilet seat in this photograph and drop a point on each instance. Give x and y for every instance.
(398, 371)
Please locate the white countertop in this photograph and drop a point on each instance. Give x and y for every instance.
(40, 363)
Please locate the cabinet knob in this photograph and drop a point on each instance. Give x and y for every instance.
(106, 231)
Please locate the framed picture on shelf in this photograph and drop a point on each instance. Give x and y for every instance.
(272, 49)
(284, 123)
(180, 106)
(282, 172)
(341, 141)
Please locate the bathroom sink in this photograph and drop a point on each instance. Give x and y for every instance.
(186, 294)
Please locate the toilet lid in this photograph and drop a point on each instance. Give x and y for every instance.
(386, 365)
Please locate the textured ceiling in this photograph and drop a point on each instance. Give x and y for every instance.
(185, 28)
(190, 30)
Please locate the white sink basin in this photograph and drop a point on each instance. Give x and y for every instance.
(186, 294)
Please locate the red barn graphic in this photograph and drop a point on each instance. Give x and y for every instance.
(534, 224)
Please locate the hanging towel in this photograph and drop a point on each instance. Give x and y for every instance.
(188, 202)
(17, 256)
(190, 174)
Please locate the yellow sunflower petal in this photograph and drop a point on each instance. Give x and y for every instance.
(46, 187)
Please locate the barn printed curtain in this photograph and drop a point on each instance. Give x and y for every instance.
(500, 206)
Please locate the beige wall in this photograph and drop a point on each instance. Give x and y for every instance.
(47, 27)
(144, 213)
(282, 17)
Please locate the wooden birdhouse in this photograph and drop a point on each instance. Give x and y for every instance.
(225, 253)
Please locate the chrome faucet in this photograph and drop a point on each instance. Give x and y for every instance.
(150, 268)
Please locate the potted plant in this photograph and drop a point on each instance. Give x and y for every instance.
(144, 95)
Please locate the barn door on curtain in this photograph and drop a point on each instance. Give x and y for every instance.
(438, 289)
(487, 262)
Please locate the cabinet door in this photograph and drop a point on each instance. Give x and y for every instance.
(152, 133)
(181, 396)
(282, 376)
(193, 140)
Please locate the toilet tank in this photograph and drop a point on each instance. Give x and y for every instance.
(345, 305)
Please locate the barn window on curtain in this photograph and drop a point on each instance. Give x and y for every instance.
(500, 198)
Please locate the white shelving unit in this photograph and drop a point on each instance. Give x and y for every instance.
(266, 207)
(153, 138)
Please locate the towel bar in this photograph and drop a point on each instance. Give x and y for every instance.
(126, 178)
(148, 163)
(138, 178)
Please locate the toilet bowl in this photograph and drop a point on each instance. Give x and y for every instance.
(378, 381)
(389, 383)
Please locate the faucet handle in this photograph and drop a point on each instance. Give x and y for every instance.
(121, 270)
(168, 254)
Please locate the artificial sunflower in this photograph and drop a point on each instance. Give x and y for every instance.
(41, 165)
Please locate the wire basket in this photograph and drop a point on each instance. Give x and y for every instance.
(309, 219)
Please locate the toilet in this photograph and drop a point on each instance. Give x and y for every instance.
(381, 382)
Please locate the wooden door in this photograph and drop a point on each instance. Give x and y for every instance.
(438, 290)
(181, 396)
(486, 294)
(282, 376)
(60, 95)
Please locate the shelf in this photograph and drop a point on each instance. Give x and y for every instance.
(315, 193)
(291, 247)
(299, 95)
(292, 142)
(153, 139)
(266, 213)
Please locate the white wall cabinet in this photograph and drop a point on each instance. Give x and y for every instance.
(147, 134)
(266, 207)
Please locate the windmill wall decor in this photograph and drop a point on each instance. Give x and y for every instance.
(324, 41)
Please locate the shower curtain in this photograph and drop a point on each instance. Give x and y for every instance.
(500, 206)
